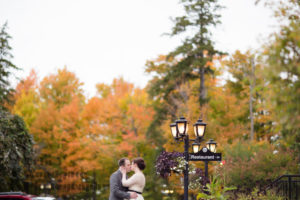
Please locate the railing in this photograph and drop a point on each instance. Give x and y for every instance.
(287, 186)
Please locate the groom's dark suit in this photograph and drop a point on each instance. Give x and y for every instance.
(117, 191)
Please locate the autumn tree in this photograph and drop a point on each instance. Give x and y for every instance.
(118, 118)
(27, 102)
(282, 54)
(249, 86)
(85, 138)
(121, 113)
(60, 89)
(56, 125)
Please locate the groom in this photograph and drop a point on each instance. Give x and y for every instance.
(117, 191)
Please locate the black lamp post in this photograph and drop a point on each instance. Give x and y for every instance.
(212, 146)
(47, 187)
(42, 187)
(179, 130)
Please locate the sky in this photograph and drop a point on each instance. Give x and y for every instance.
(101, 40)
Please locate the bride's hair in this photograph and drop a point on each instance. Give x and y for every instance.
(140, 163)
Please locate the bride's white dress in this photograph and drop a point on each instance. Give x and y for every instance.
(135, 183)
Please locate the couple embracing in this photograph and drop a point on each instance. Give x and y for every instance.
(122, 187)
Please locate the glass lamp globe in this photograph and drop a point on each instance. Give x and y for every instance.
(182, 126)
(196, 147)
(174, 130)
(199, 128)
(212, 145)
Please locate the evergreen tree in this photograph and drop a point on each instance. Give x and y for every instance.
(16, 151)
(195, 54)
(16, 144)
(5, 65)
(189, 61)
(198, 50)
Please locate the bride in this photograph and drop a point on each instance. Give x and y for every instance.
(136, 182)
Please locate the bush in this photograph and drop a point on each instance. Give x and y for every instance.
(250, 165)
(259, 196)
(214, 190)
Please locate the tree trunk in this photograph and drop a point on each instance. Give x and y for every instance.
(202, 91)
(252, 85)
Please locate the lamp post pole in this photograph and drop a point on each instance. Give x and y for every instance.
(206, 169)
(186, 171)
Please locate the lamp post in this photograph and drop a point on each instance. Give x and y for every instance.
(212, 146)
(42, 187)
(179, 130)
(46, 188)
(168, 192)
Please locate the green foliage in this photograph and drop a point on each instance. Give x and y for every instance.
(16, 151)
(250, 164)
(196, 51)
(248, 80)
(215, 190)
(189, 60)
(153, 188)
(283, 72)
(5, 65)
(72, 141)
(259, 196)
(27, 107)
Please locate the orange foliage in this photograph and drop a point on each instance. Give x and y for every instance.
(29, 83)
(60, 88)
(77, 137)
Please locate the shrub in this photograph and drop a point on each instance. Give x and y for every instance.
(259, 196)
(214, 190)
(250, 165)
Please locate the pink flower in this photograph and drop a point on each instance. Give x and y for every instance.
(222, 162)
